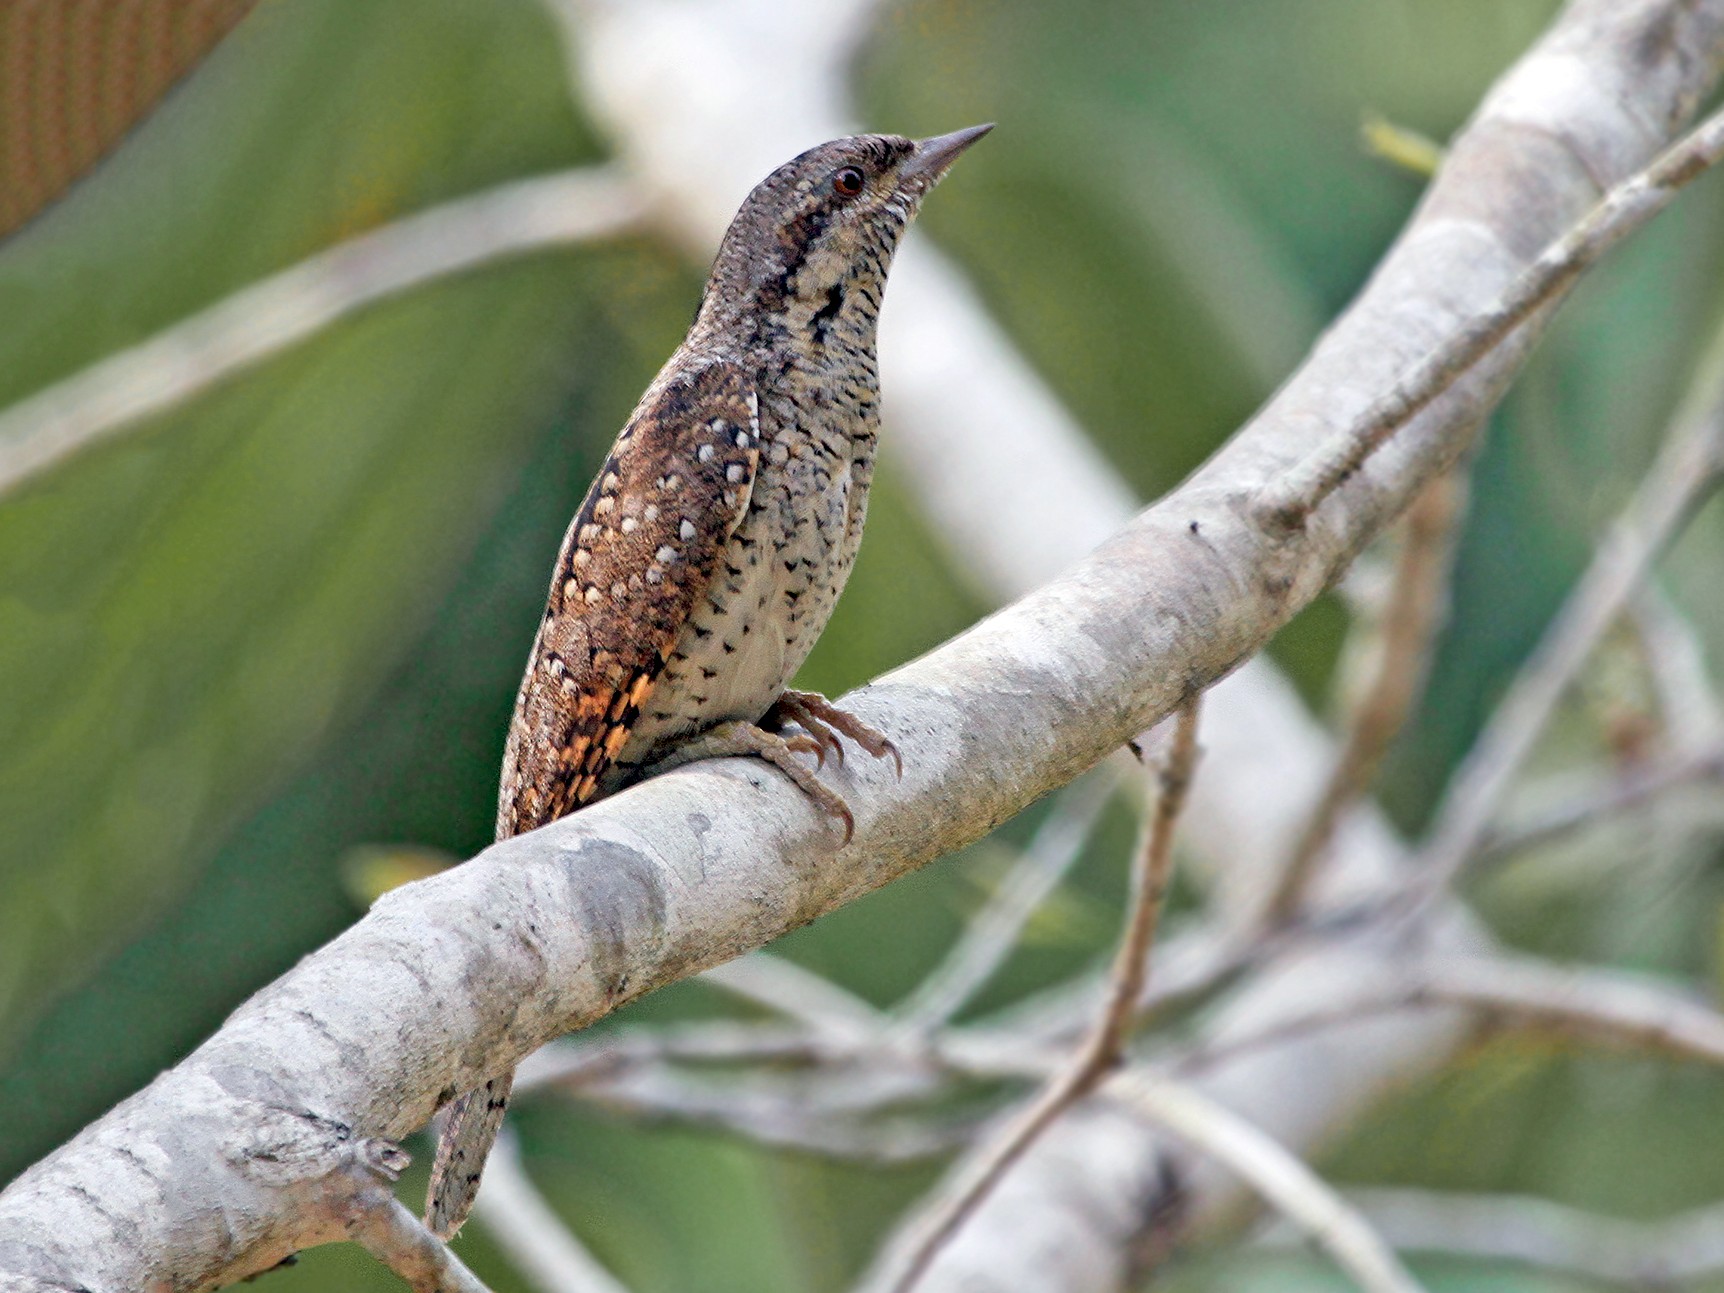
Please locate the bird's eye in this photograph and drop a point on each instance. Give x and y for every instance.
(848, 181)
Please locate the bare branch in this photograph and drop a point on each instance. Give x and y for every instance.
(1100, 1051)
(357, 1192)
(1288, 504)
(990, 937)
(1692, 712)
(826, 1094)
(534, 1238)
(796, 1114)
(796, 993)
(1609, 1007)
(1603, 1006)
(1284, 1182)
(47, 428)
(1410, 622)
(1154, 873)
(1686, 1248)
(579, 1062)
(1609, 797)
(1686, 471)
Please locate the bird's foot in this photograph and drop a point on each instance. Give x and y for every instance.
(825, 722)
(745, 740)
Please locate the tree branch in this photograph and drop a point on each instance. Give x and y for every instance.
(1602, 1006)
(1686, 471)
(1281, 1178)
(395, 1237)
(1100, 1051)
(1612, 796)
(1410, 621)
(1625, 209)
(1642, 1255)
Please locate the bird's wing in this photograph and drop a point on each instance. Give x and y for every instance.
(641, 551)
(640, 554)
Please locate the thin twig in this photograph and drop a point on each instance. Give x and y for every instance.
(1676, 661)
(1284, 507)
(1201, 963)
(1053, 849)
(796, 993)
(531, 1235)
(821, 1113)
(1669, 1253)
(266, 318)
(821, 1091)
(1602, 1006)
(1131, 963)
(579, 1061)
(1417, 601)
(1612, 796)
(1100, 1051)
(1279, 1176)
(1686, 471)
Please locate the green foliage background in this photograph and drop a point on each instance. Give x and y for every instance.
(289, 619)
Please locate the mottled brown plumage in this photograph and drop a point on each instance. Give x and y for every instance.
(638, 558)
(708, 555)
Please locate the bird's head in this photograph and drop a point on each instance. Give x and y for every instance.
(824, 224)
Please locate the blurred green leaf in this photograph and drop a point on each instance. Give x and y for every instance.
(191, 610)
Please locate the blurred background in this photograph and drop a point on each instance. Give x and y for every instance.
(257, 654)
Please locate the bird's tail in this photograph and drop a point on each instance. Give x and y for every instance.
(468, 1134)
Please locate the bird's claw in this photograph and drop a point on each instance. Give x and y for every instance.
(824, 721)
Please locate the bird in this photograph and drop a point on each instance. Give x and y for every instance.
(708, 554)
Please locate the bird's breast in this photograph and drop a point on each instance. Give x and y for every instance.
(777, 584)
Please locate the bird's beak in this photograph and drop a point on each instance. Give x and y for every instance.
(932, 156)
